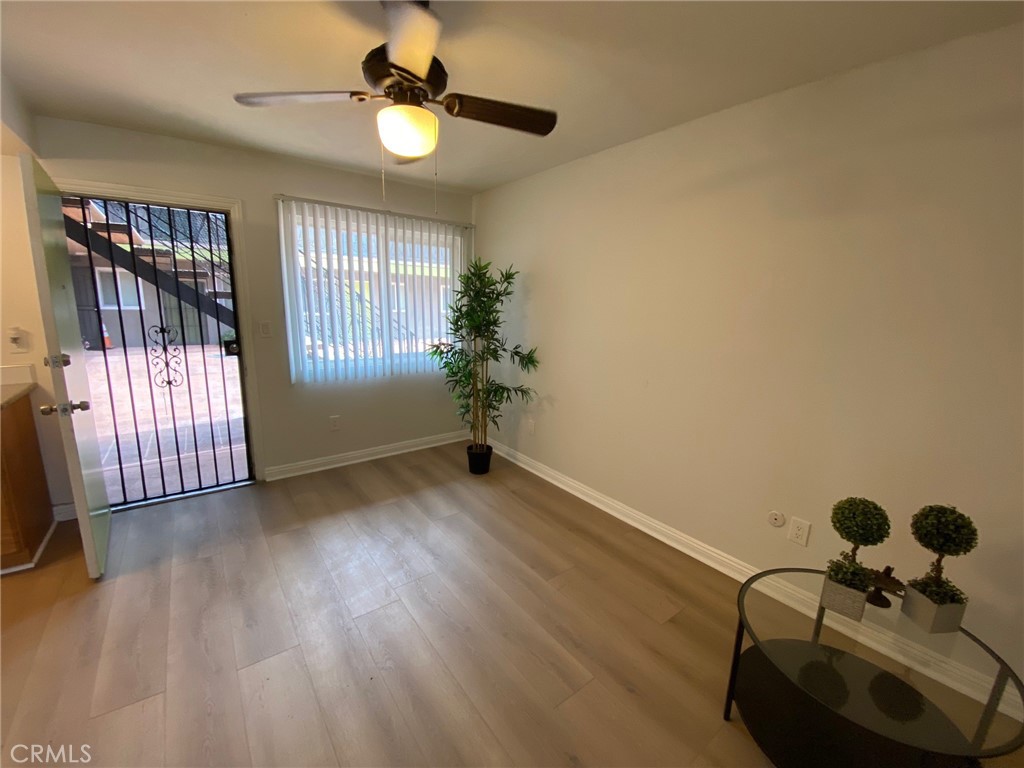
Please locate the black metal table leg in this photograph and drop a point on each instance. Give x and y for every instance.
(818, 621)
(737, 646)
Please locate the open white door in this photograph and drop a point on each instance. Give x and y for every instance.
(64, 355)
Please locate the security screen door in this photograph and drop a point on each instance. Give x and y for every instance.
(156, 304)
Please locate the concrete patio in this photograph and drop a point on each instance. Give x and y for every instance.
(181, 437)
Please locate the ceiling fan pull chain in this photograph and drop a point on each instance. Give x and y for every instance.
(435, 170)
(383, 190)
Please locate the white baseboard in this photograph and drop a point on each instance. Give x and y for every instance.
(36, 556)
(354, 457)
(698, 550)
(959, 677)
(62, 512)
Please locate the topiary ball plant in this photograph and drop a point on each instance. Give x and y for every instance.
(945, 531)
(849, 573)
(861, 522)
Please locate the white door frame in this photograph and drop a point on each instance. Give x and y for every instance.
(234, 209)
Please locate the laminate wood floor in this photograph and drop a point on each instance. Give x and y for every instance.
(397, 612)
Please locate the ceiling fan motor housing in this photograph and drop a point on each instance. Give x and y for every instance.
(386, 77)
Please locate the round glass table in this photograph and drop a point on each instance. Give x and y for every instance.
(815, 688)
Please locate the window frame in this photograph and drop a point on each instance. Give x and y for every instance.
(118, 290)
(377, 246)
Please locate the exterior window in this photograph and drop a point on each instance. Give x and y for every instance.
(130, 288)
(366, 292)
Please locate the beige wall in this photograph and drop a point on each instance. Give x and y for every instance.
(291, 420)
(810, 296)
(17, 132)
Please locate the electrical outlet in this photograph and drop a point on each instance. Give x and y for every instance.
(776, 519)
(335, 422)
(799, 531)
(264, 329)
(531, 425)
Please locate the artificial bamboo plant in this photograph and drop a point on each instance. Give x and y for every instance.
(475, 321)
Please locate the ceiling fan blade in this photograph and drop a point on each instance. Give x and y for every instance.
(273, 98)
(413, 34)
(528, 119)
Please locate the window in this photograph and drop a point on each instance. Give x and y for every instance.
(366, 292)
(129, 286)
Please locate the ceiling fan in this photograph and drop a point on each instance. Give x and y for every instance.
(405, 72)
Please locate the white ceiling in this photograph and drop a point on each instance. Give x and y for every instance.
(614, 71)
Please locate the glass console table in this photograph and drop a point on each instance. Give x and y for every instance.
(817, 689)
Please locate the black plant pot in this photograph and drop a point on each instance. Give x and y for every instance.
(479, 461)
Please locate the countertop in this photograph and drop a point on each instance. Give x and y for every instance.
(11, 392)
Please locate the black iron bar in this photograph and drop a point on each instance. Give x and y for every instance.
(184, 343)
(241, 360)
(163, 324)
(124, 347)
(93, 278)
(210, 489)
(220, 344)
(202, 344)
(158, 277)
(220, 280)
(142, 329)
(130, 259)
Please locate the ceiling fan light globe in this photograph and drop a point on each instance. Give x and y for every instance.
(407, 130)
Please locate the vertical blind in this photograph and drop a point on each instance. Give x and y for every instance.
(366, 292)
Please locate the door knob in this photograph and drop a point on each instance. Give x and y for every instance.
(81, 405)
(47, 410)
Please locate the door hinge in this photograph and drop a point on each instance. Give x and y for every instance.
(65, 409)
(57, 361)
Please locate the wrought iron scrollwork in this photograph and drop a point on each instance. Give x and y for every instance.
(166, 356)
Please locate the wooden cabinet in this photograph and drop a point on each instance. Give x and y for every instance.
(26, 514)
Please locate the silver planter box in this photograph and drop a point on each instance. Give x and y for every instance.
(931, 617)
(843, 600)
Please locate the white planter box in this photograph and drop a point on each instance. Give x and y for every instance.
(843, 600)
(931, 617)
